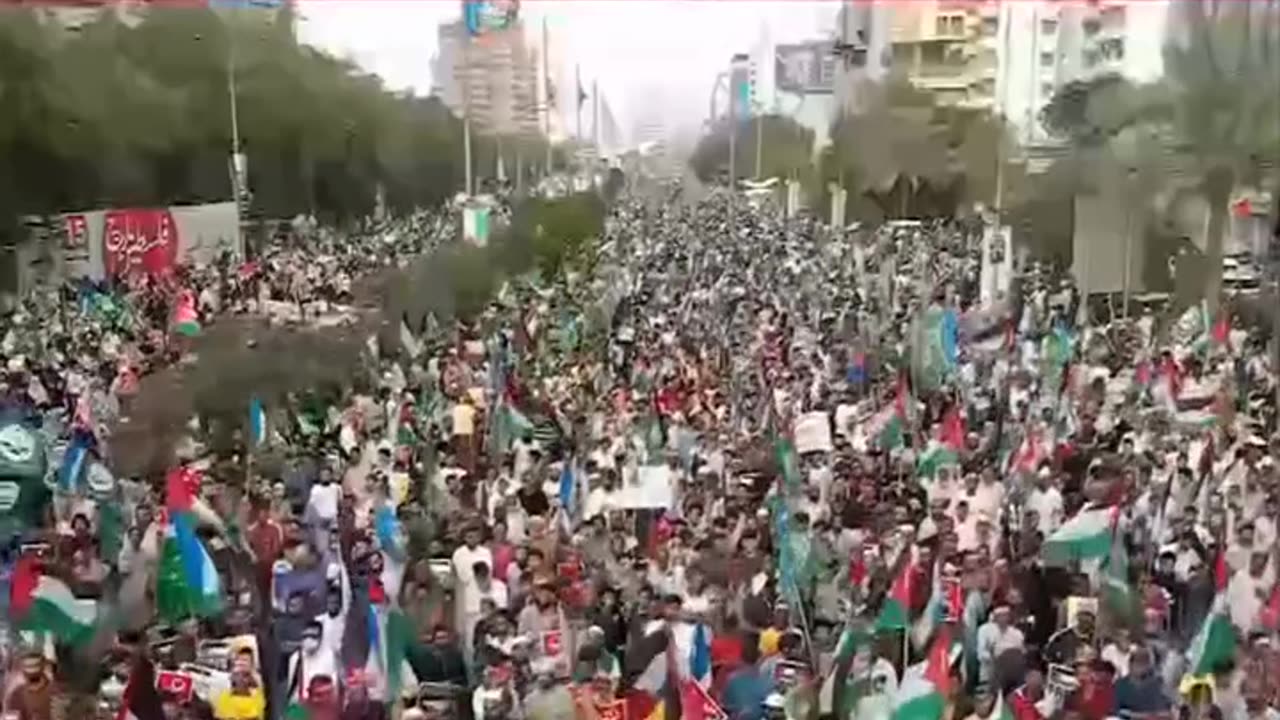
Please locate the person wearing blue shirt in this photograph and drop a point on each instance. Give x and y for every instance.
(747, 687)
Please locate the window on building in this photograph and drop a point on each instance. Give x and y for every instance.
(1046, 89)
(1046, 59)
(949, 25)
(1049, 26)
(1092, 58)
(1112, 49)
(990, 26)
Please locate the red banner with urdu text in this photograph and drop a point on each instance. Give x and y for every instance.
(139, 241)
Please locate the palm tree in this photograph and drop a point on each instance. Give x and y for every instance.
(1222, 103)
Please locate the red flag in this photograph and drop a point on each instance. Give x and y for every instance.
(952, 432)
(900, 590)
(1221, 575)
(937, 669)
(1270, 615)
(22, 586)
(1142, 375)
(857, 569)
(182, 487)
(1221, 331)
(696, 704)
(1172, 375)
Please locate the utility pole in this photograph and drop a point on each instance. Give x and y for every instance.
(466, 109)
(1131, 189)
(577, 96)
(595, 128)
(239, 173)
(759, 142)
(546, 90)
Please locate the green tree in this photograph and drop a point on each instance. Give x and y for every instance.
(786, 147)
(911, 157)
(139, 113)
(1222, 104)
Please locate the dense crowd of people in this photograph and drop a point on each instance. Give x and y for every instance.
(733, 466)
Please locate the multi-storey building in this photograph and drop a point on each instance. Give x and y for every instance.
(947, 48)
(492, 79)
(1044, 45)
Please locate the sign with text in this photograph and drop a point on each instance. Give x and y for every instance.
(805, 68)
(139, 241)
(180, 685)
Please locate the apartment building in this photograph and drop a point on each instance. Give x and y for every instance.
(948, 48)
(1045, 45)
(492, 79)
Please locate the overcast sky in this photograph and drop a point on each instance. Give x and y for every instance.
(641, 51)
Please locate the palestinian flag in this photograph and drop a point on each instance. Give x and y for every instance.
(936, 456)
(888, 427)
(836, 695)
(896, 610)
(186, 321)
(1116, 589)
(40, 603)
(925, 686)
(1086, 536)
(945, 451)
(1030, 453)
(141, 701)
(1215, 643)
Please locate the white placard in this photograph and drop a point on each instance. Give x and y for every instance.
(652, 489)
(813, 433)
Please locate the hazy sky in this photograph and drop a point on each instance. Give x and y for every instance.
(641, 51)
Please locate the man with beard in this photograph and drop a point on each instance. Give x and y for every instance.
(544, 621)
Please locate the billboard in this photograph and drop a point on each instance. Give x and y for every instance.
(98, 243)
(805, 68)
(740, 85)
(483, 16)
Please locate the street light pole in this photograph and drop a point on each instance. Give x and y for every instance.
(1128, 241)
(466, 109)
(239, 173)
(759, 142)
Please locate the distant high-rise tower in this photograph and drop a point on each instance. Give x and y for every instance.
(493, 79)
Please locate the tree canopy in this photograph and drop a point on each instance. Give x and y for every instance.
(786, 147)
(912, 157)
(138, 113)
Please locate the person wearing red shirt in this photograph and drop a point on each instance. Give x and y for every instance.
(726, 654)
(1023, 700)
(1095, 699)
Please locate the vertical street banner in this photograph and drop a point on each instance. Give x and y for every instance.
(139, 241)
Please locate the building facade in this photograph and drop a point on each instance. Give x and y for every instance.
(492, 79)
(1044, 45)
(948, 48)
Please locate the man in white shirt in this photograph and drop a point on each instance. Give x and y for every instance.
(465, 559)
(988, 496)
(314, 658)
(994, 638)
(1046, 501)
